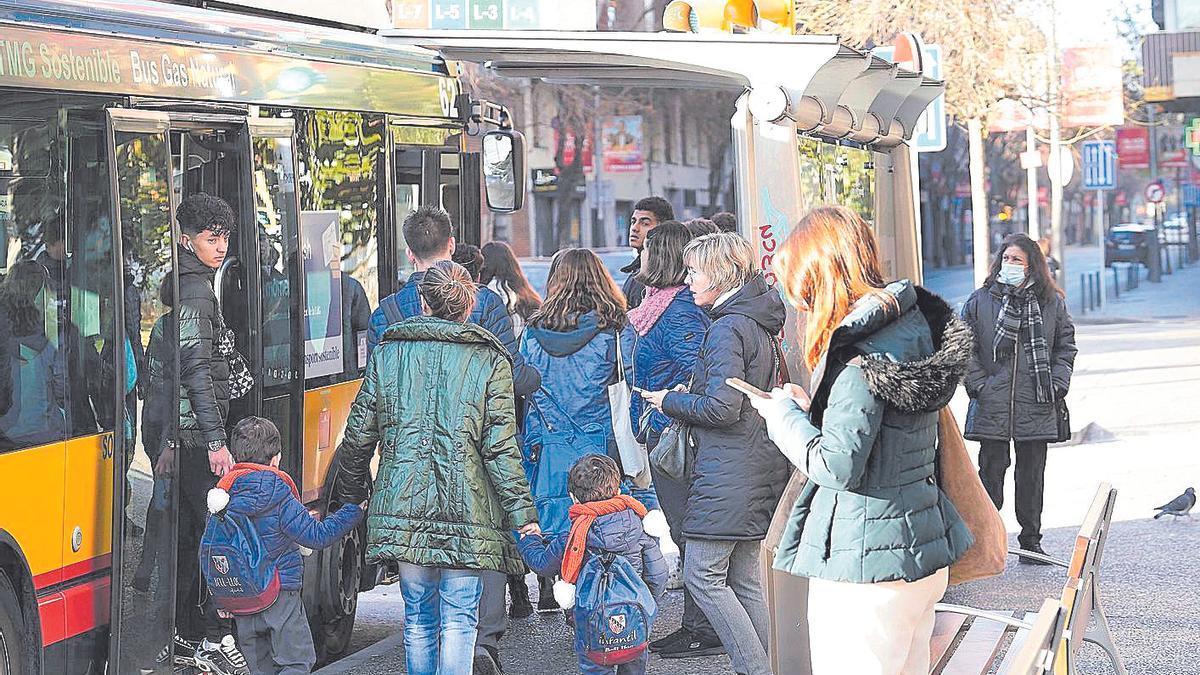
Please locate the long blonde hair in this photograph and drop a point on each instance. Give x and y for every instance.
(829, 262)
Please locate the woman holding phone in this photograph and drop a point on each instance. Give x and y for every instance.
(870, 528)
(737, 475)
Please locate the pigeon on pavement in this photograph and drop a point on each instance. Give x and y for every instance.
(1180, 506)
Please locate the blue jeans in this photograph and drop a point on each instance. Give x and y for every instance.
(441, 609)
(635, 667)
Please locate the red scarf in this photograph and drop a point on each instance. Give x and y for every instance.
(242, 468)
(582, 516)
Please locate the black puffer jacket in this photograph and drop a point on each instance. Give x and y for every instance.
(203, 373)
(738, 474)
(1003, 401)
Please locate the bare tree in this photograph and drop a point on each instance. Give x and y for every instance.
(984, 46)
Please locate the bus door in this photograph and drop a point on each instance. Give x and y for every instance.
(145, 486)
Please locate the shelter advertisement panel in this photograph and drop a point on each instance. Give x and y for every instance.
(622, 150)
(321, 247)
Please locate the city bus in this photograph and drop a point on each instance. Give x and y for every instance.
(113, 111)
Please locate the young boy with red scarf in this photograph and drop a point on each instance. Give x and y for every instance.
(602, 521)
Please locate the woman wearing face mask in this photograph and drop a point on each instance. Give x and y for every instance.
(1024, 354)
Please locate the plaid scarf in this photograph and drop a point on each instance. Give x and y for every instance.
(1018, 308)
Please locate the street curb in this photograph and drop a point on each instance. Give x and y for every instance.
(346, 665)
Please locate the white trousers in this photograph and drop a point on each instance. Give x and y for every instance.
(873, 629)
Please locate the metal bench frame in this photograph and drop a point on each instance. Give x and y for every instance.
(1083, 614)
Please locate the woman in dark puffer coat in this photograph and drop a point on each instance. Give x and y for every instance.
(737, 476)
(666, 332)
(1024, 355)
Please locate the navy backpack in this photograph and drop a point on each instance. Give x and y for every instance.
(614, 611)
(240, 573)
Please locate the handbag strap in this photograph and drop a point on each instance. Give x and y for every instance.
(619, 376)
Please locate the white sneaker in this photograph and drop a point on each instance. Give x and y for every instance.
(221, 659)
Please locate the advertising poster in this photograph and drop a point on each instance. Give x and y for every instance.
(1092, 87)
(622, 151)
(320, 244)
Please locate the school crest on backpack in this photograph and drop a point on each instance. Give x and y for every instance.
(221, 564)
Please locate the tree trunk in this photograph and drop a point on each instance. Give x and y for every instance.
(979, 206)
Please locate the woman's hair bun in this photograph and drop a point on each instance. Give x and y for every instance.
(448, 291)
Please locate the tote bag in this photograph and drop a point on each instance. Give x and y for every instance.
(959, 480)
(635, 462)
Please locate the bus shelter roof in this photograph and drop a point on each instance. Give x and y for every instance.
(828, 88)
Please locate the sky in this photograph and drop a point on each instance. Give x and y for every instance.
(1089, 21)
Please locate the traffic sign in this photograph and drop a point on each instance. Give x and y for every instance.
(930, 133)
(1099, 165)
(1191, 195)
(1155, 192)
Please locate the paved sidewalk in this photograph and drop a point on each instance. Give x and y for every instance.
(1177, 296)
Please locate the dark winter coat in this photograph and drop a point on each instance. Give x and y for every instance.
(633, 288)
(738, 473)
(871, 510)
(203, 373)
(1003, 400)
(569, 415)
(665, 356)
(489, 313)
(437, 396)
(620, 533)
(283, 522)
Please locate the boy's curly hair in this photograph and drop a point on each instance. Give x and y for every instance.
(202, 211)
(594, 478)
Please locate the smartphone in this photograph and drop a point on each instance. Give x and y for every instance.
(746, 388)
(637, 390)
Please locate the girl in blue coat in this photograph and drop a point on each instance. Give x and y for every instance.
(572, 341)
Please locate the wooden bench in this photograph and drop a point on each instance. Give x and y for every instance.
(967, 640)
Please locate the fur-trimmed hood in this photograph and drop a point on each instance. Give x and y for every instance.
(926, 384)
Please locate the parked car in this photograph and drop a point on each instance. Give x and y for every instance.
(537, 270)
(1128, 242)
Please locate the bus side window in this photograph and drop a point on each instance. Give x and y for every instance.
(341, 164)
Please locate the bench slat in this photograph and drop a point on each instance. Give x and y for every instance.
(976, 652)
(1017, 642)
(945, 629)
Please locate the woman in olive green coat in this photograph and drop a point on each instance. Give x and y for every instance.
(870, 528)
(438, 397)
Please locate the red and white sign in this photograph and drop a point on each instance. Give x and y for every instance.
(1172, 152)
(1133, 148)
(1122, 199)
(1092, 87)
(1155, 193)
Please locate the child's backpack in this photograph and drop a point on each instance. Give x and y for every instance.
(614, 611)
(241, 575)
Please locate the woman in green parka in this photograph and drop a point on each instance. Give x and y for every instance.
(871, 528)
(438, 397)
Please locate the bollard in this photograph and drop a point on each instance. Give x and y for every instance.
(1116, 284)
(1167, 268)
(1083, 302)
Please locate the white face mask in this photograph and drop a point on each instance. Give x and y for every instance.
(1011, 274)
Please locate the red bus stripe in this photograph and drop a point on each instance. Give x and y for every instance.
(75, 610)
(72, 571)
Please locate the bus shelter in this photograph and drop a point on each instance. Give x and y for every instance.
(814, 122)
